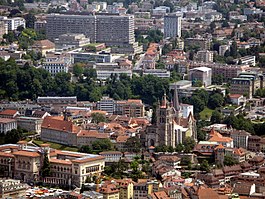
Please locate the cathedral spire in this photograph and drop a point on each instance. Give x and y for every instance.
(164, 100)
(176, 100)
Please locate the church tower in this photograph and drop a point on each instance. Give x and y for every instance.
(165, 123)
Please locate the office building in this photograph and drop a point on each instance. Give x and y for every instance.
(172, 25)
(202, 74)
(157, 72)
(85, 57)
(31, 124)
(71, 40)
(105, 74)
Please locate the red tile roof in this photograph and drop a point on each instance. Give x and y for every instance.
(59, 125)
(8, 112)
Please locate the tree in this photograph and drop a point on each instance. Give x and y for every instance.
(13, 136)
(30, 20)
(46, 167)
(215, 100)
(198, 103)
(179, 148)
(102, 145)
(85, 149)
(205, 166)
(229, 160)
(98, 117)
(133, 144)
(189, 144)
(78, 70)
(216, 117)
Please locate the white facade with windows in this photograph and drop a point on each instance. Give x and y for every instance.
(172, 25)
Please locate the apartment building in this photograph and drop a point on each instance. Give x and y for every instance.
(172, 25)
(68, 169)
(202, 74)
(130, 107)
(242, 86)
(107, 104)
(202, 43)
(133, 108)
(14, 23)
(205, 56)
(7, 124)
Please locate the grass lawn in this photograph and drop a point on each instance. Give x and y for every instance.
(56, 145)
(206, 113)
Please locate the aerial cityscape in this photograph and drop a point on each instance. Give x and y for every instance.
(132, 99)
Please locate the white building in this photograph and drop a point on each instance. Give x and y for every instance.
(186, 110)
(205, 56)
(161, 10)
(172, 25)
(202, 74)
(7, 124)
(106, 104)
(157, 72)
(56, 64)
(223, 49)
(105, 74)
(14, 23)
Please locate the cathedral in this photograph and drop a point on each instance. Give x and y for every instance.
(171, 128)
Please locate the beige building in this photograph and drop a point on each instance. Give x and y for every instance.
(24, 162)
(126, 188)
(31, 124)
(43, 46)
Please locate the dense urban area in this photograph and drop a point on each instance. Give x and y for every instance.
(132, 99)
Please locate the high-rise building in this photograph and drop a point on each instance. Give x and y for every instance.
(113, 30)
(172, 25)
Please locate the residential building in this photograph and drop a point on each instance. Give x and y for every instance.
(43, 46)
(87, 137)
(202, 43)
(106, 104)
(31, 124)
(3, 29)
(133, 108)
(7, 124)
(254, 143)
(14, 23)
(172, 25)
(219, 139)
(223, 49)
(205, 56)
(142, 190)
(109, 191)
(126, 188)
(71, 40)
(161, 10)
(242, 86)
(68, 169)
(202, 74)
(40, 25)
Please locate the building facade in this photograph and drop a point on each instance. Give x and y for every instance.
(172, 25)
(7, 124)
(202, 74)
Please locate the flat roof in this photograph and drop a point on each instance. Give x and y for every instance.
(203, 68)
